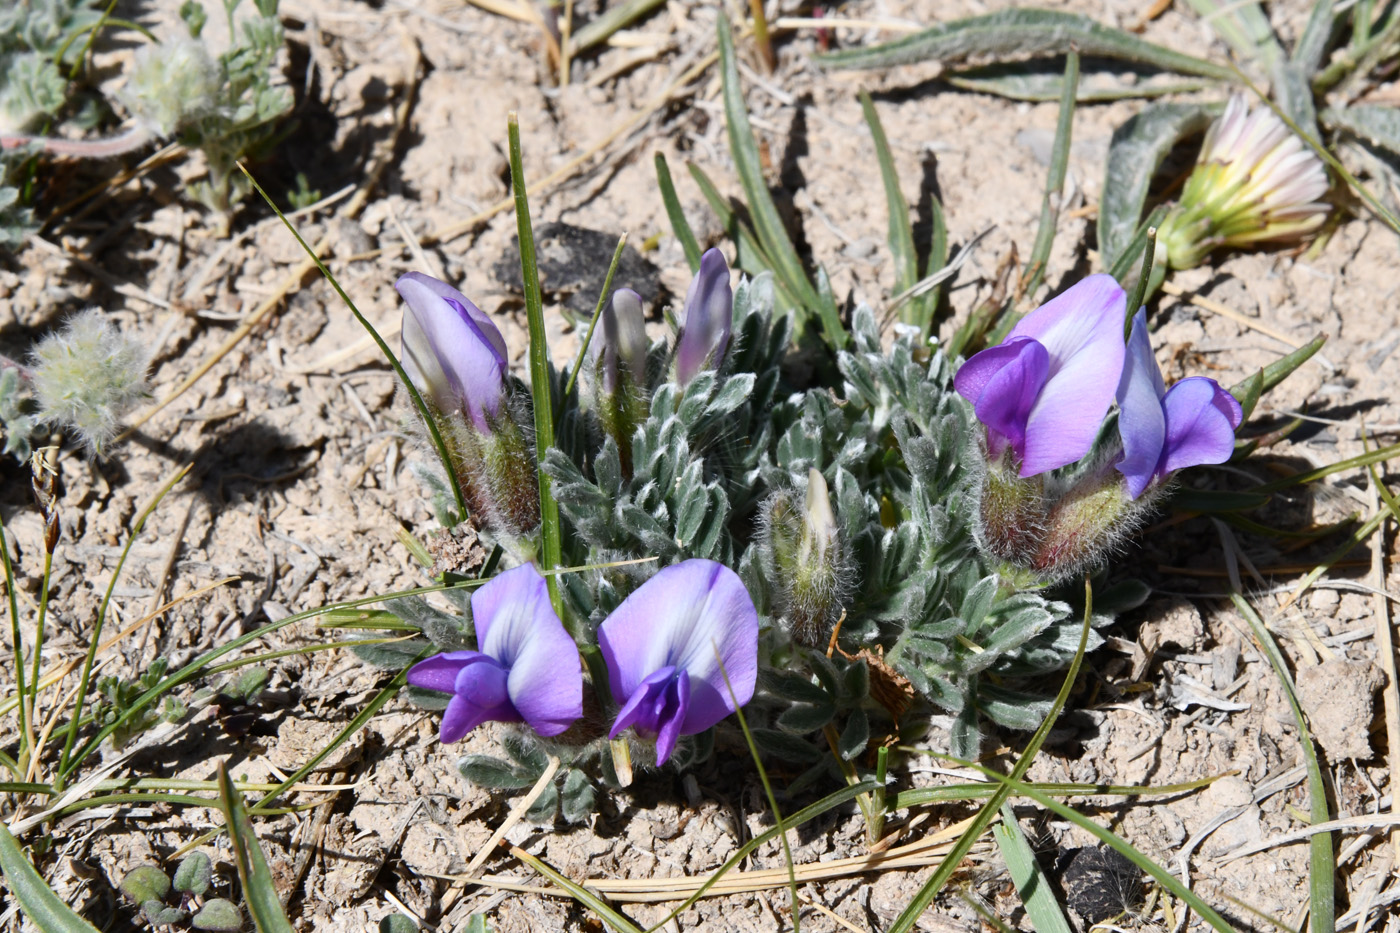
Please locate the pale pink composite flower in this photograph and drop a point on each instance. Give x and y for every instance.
(1255, 182)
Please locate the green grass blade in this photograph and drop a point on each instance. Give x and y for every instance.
(95, 637)
(578, 892)
(901, 229)
(806, 814)
(767, 223)
(259, 891)
(1360, 460)
(541, 379)
(439, 445)
(1020, 32)
(26, 736)
(948, 793)
(921, 900)
(1163, 877)
(1139, 293)
(1322, 866)
(1014, 81)
(35, 898)
(613, 19)
(1054, 182)
(1037, 894)
(679, 225)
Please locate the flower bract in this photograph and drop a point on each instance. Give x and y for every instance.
(1165, 430)
(527, 669)
(1044, 391)
(670, 646)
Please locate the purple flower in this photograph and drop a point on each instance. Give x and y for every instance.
(452, 352)
(665, 647)
(1045, 390)
(709, 314)
(1167, 430)
(527, 669)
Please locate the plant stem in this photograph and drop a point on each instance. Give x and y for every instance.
(26, 739)
(25, 372)
(107, 147)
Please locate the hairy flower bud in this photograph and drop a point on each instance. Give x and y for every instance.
(809, 561)
(709, 312)
(1254, 182)
(456, 358)
(618, 356)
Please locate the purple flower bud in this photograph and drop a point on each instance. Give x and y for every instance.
(1165, 430)
(621, 346)
(526, 671)
(665, 648)
(451, 351)
(709, 314)
(1045, 390)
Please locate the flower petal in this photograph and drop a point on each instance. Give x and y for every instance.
(516, 625)
(1201, 418)
(1007, 379)
(451, 350)
(1141, 424)
(440, 671)
(694, 615)
(709, 316)
(460, 717)
(1082, 331)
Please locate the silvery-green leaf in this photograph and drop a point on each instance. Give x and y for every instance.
(803, 719)
(855, 735)
(1031, 82)
(219, 915)
(784, 746)
(194, 874)
(1311, 48)
(577, 798)
(1293, 91)
(1378, 125)
(1137, 149)
(1012, 32)
(546, 806)
(1244, 25)
(493, 773)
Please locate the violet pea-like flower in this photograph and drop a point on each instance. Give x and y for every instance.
(709, 315)
(1165, 430)
(1045, 390)
(452, 352)
(669, 647)
(526, 671)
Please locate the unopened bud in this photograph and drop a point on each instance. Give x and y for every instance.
(619, 369)
(809, 561)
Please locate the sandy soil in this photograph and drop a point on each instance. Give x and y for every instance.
(300, 485)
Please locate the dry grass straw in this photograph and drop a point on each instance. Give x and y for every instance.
(927, 851)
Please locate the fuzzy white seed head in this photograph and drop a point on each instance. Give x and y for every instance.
(86, 376)
(171, 85)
